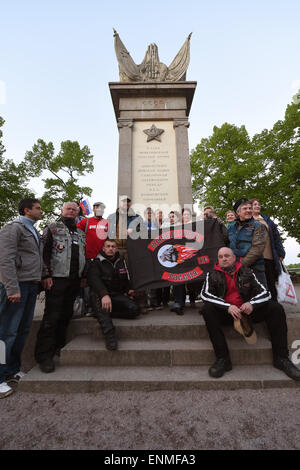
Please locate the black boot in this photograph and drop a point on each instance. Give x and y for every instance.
(111, 342)
(284, 364)
(47, 365)
(218, 369)
(177, 309)
(107, 327)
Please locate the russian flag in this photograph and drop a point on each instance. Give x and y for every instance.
(85, 206)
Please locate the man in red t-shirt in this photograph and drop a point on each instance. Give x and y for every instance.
(95, 229)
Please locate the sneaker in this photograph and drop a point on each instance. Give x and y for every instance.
(15, 378)
(47, 365)
(5, 390)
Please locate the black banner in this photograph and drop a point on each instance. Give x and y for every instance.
(175, 255)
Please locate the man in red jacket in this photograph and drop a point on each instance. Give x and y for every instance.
(232, 294)
(95, 229)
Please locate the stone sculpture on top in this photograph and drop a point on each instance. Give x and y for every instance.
(151, 69)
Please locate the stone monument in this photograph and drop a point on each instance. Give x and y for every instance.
(152, 103)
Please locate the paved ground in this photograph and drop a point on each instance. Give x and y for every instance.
(162, 420)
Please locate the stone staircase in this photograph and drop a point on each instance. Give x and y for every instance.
(158, 351)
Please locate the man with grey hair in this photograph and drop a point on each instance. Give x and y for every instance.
(64, 259)
(247, 239)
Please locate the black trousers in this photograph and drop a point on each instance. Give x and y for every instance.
(271, 312)
(194, 289)
(57, 315)
(122, 307)
(271, 275)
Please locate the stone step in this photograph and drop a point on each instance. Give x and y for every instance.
(89, 379)
(156, 325)
(91, 351)
(167, 325)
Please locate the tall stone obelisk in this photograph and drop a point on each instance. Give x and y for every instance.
(152, 103)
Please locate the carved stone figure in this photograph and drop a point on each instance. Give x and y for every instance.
(151, 69)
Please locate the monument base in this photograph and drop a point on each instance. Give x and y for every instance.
(154, 162)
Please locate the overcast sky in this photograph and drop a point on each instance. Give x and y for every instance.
(57, 57)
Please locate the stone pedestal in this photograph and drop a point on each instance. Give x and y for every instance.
(154, 171)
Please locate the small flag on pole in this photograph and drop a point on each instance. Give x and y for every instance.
(85, 206)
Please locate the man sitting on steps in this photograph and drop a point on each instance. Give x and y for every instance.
(107, 276)
(232, 294)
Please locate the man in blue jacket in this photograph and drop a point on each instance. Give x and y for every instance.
(247, 239)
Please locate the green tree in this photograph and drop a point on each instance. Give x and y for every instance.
(65, 169)
(223, 167)
(280, 154)
(13, 184)
(229, 165)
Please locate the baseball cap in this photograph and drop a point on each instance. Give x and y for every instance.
(243, 200)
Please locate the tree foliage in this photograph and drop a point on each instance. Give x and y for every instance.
(61, 173)
(229, 165)
(13, 184)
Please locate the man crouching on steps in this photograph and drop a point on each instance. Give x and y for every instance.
(107, 276)
(232, 294)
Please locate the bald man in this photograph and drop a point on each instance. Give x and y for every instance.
(232, 294)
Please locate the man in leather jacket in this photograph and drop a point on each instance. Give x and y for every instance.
(64, 259)
(232, 294)
(108, 278)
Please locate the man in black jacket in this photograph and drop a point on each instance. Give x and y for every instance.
(232, 294)
(107, 276)
(64, 263)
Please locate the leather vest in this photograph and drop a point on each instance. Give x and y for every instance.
(62, 249)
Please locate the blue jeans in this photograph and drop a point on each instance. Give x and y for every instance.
(15, 323)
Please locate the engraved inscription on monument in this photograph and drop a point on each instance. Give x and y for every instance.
(154, 167)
